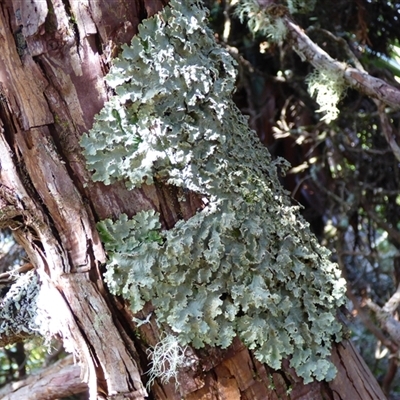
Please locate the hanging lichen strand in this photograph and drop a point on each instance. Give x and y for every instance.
(247, 263)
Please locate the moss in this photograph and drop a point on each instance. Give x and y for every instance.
(247, 263)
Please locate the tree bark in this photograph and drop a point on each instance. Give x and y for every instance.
(61, 379)
(53, 60)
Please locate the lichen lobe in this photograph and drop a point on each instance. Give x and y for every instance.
(245, 265)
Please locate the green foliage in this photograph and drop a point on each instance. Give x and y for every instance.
(247, 263)
(27, 357)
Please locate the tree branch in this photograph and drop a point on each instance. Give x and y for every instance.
(61, 379)
(356, 79)
(386, 226)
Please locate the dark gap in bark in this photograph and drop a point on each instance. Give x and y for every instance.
(13, 16)
(72, 21)
(7, 122)
(168, 217)
(98, 44)
(64, 159)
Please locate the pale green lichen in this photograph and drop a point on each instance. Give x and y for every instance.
(247, 263)
(260, 21)
(327, 87)
(167, 357)
(30, 308)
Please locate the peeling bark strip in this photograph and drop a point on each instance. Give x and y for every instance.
(96, 320)
(355, 380)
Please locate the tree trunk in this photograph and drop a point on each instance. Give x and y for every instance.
(53, 60)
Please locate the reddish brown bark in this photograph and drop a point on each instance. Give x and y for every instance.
(51, 77)
(61, 379)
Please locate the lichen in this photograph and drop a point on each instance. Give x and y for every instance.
(263, 21)
(18, 309)
(301, 6)
(247, 263)
(33, 307)
(167, 357)
(328, 88)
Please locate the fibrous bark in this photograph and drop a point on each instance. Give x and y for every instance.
(61, 379)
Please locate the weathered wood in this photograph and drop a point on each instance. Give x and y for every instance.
(354, 379)
(64, 80)
(61, 379)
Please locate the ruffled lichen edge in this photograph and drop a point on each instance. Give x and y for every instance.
(247, 263)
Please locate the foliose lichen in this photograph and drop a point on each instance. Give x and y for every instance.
(247, 263)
